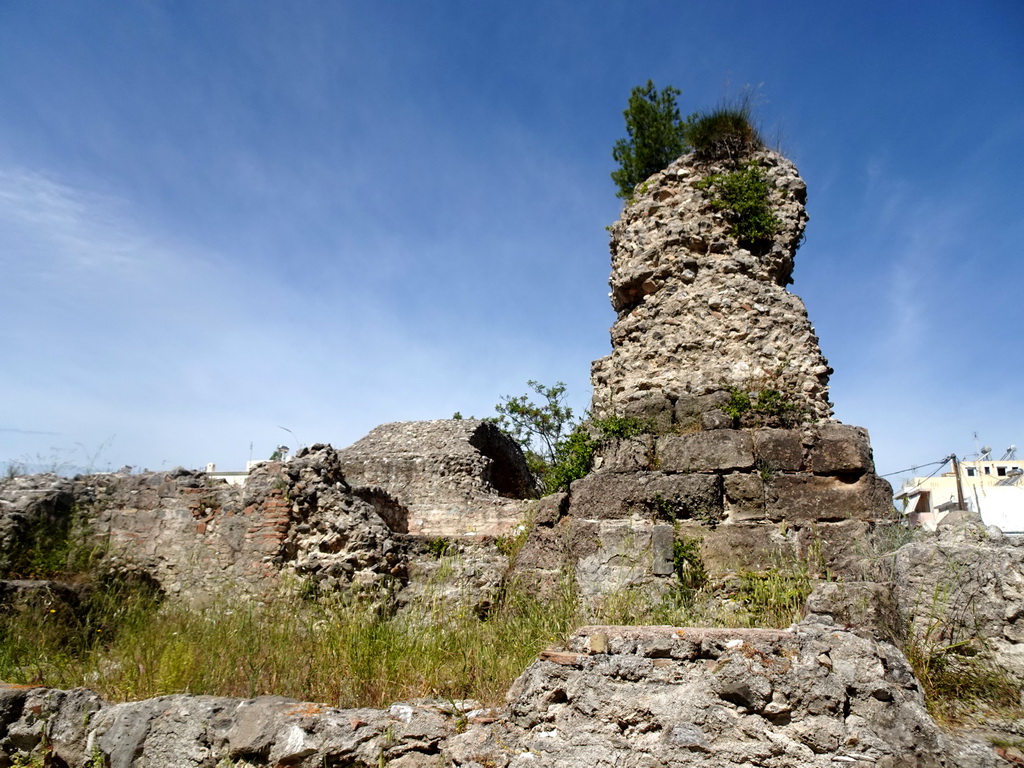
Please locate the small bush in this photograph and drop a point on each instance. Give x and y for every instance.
(768, 408)
(689, 566)
(656, 137)
(744, 197)
(622, 427)
(574, 456)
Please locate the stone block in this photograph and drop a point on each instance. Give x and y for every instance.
(740, 546)
(811, 498)
(838, 448)
(651, 406)
(698, 411)
(550, 509)
(779, 449)
(744, 496)
(631, 454)
(647, 495)
(720, 450)
(842, 546)
(662, 550)
(867, 607)
(544, 550)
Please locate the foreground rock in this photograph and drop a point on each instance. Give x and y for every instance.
(625, 696)
(964, 587)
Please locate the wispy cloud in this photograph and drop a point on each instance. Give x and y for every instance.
(66, 228)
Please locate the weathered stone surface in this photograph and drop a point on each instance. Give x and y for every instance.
(744, 496)
(838, 448)
(198, 537)
(633, 454)
(720, 450)
(817, 697)
(779, 450)
(690, 410)
(647, 495)
(459, 573)
(840, 545)
(31, 504)
(455, 476)
(866, 608)
(550, 509)
(965, 584)
(809, 498)
(697, 313)
(743, 546)
(186, 731)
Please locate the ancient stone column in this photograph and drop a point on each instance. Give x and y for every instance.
(701, 313)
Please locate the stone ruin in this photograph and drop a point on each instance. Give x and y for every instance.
(696, 313)
(454, 477)
(700, 319)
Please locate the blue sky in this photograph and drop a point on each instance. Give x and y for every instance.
(221, 219)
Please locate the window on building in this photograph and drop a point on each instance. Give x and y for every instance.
(1001, 471)
(988, 470)
(971, 471)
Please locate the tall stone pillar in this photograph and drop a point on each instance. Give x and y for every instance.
(702, 314)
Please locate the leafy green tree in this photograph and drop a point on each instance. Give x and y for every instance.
(537, 428)
(558, 448)
(657, 136)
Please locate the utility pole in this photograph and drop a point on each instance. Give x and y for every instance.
(959, 485)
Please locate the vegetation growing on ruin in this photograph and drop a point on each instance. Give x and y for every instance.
(767, 408)
(559, 448)
(725, 133)
(538, 428)
(743, 196)
(656, 133)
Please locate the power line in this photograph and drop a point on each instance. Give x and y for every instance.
(926, 479)
(914, 469)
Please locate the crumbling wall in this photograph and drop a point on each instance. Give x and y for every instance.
(199, 537)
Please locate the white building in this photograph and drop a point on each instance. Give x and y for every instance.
(994, 488)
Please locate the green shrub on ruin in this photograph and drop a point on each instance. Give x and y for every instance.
(743, 196)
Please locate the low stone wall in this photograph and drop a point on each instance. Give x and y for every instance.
(198, 537)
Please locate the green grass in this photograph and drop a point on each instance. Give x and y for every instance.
(724, 133)
(954, 664)
(345, 650)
